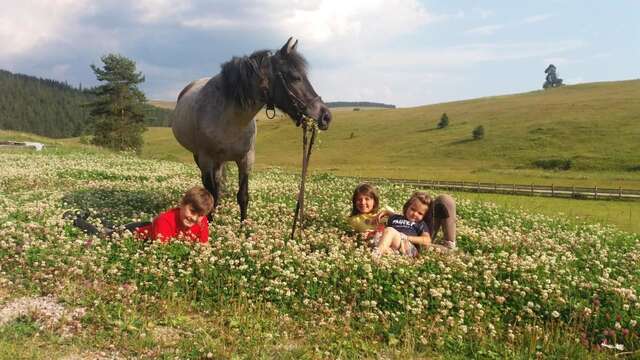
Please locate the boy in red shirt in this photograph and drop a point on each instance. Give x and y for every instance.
(188, 220)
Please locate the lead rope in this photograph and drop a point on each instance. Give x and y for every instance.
(308, 125)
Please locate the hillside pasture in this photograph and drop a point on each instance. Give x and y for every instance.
(520, 286)
(594, 128)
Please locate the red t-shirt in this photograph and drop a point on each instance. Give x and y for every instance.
(167, 225)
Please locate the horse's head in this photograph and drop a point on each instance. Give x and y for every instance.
(291, 90)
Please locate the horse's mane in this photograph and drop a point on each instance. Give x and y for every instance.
(238, 75)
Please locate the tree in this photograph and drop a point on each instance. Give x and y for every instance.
(444, 121)
(478, 132)
(118, 110)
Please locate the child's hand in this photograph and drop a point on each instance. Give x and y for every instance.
(379, 217)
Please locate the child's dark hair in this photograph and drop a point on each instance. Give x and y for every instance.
(367, 190)
(419, 196)
(199, 198)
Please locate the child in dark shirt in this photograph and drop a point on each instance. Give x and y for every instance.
(404, 232)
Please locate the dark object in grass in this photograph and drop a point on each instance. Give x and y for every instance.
(80, 220)
(553, 164)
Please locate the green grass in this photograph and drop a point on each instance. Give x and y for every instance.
(596, 126)
(621, 214)
(521, 285)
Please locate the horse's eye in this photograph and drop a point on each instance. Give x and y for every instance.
(295, 77)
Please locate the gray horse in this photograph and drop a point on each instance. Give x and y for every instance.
(214, 117)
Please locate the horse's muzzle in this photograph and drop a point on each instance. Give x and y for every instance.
(324, 119)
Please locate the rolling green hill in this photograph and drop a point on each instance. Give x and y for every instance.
(596, 126)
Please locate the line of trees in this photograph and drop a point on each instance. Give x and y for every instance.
(54, 109)
(44, 107)
(359, 104)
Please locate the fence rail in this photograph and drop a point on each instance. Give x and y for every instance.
(573, 192)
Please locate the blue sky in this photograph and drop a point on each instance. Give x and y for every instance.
(403, 52)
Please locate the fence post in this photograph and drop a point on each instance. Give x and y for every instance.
(573, 191)
(620, 192)
(478, 188)
(495, 187)
(531, 189)
(595, 193)
(514, 189)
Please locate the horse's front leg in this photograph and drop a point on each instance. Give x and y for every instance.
(244, 168)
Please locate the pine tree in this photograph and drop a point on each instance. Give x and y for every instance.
(478, 132)
(444, 121)
(118, 110)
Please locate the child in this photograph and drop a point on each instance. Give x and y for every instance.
(189, 219)
(365, 217)
(404, 232)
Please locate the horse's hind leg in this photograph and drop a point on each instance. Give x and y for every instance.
(211, 174)
(207, 179)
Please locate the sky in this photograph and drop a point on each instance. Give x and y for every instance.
(401, 52)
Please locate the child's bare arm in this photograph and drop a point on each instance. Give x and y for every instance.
(383, 214)
(423, 239)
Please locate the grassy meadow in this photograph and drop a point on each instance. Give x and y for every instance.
(521, 285)
(596, 126)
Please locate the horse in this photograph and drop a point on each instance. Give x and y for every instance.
(214, 117)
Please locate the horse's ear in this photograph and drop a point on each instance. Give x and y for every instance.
(293, 47)
(286, 48)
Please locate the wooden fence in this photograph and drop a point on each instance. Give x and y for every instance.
(573, 192)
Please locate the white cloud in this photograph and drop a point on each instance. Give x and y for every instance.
(25, 25)
(537, 18)
(467, 55)
(365, 20)
(321, 22)
(212, 23)
(485, 14)
(484, 30)
(364, 83)
(155, 10)
(408, 78)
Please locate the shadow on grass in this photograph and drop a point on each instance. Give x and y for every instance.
(463, 141)
(118, 204)
(428, 130)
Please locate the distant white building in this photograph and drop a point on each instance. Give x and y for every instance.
(36, 145)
